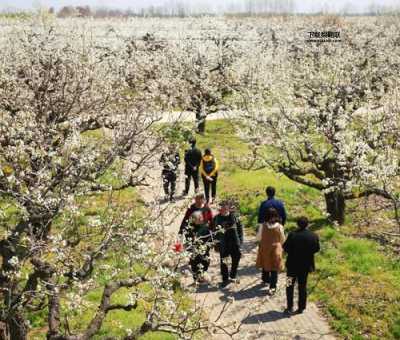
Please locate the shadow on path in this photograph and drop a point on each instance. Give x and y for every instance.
(269, 316)
(248, 292)
(206, 289)
(248, 271)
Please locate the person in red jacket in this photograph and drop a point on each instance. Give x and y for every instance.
(198, 205)
(196, 230)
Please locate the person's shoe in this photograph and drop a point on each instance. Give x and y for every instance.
(172, 199)
(288, 311)
(202, 280)
(184, 194)
(224, 283)
(299, 311)
(265, 283)
(272, 291)
(234, 280)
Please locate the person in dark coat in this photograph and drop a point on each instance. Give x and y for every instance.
(229, 237)
(170, 161)
(300, 246)
(198, 205)
(271, 202)
(192, 163)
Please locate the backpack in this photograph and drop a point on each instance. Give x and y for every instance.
(209, 166)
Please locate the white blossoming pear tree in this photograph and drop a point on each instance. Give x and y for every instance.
(58, 90)
(330, 126)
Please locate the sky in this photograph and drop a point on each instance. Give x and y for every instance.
(301, 5)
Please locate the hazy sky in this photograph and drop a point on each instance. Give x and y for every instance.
(301, 5)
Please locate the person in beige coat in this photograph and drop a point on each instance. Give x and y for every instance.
(269, 257)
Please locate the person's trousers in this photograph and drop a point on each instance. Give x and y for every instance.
(235, 256)
(270, 277)
(301, 279)
(189, 175)
(207, 185)
(199, 264)
(169, 182)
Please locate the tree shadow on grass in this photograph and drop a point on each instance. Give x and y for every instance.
(319, 223)
(269, 316)
(314, 225)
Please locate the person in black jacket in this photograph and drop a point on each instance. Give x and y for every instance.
(192, 163)
(170, 161)
(300, 246)
(229, 236)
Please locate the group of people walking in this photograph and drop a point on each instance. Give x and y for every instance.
(202, 230)
(195, 162)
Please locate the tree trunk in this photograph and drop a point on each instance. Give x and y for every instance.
(16, 328)
(4, 334)
(336, 206)
(200, 123)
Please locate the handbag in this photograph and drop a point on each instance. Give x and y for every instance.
(259, 233)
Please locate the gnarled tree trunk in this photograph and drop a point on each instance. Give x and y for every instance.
(336, 206)
(16, 328)
(200, 122)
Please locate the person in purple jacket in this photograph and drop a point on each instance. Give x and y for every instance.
(278, 205)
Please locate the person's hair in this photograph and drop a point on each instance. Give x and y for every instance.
(225, 203)
(272, 216)
(207, 152)
(192, 141)
(200, 195)
(270, 191)
(302, 222)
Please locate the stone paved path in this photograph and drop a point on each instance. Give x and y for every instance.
(260, 315)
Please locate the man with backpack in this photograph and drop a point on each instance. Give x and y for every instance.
(209, 172)
(192, 163)
(170, 161)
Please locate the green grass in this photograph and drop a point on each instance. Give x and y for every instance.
(359, 285)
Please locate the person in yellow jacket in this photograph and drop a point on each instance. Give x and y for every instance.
(209, 172)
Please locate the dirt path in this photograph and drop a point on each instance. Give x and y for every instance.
(260, 315)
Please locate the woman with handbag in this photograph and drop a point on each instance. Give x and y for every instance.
(269, 256)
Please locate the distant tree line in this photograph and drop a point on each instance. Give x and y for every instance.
(179, 8)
